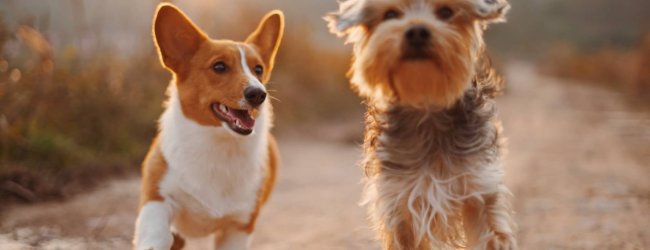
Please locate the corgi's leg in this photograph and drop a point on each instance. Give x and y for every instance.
(179, 242)
(152, 229)
(234, 239)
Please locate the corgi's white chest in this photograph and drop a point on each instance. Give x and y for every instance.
(211, 170)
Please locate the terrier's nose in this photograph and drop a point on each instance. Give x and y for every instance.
(254, 95)
(417, 36)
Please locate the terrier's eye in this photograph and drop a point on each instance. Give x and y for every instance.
(445, 13)
(259, 70)
(390, 14)
(220, 67)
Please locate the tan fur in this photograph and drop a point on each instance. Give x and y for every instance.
(179, 242)
(378, 71)
(154, 168)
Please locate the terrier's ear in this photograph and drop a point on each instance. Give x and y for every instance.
(175, 36)
(488, 10)
(267, 37)
(349, 16)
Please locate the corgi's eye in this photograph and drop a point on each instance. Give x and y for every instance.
(259, 70)
(391, 14)
(444, 13)
(220, 67)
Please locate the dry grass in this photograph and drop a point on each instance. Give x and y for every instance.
(310, 83)
(622, 69)
(70, 117)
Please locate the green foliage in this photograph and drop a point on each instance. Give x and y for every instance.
(86, 113)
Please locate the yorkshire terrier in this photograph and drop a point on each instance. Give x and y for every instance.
(433, 143)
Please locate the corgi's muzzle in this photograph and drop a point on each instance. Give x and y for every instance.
(239, 120)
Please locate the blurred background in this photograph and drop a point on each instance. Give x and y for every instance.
(81, 89)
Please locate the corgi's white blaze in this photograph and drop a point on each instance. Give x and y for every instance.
(252, 80)
(211, 171)
(152, 227)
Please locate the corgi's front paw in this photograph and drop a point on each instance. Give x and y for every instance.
(160, 243)
(152, 230)
(154, 240)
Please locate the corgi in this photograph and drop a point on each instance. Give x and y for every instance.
(213, 163)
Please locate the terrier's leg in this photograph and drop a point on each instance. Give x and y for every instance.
(489, 224)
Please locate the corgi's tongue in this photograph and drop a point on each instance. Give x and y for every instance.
(242, 118)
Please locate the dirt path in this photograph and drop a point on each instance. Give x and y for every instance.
(579, 167)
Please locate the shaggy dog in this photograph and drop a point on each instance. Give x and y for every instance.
(432, 143)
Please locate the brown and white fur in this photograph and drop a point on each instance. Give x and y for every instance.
(213, 164)
(432, 143)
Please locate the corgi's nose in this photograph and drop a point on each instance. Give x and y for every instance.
(254, 95)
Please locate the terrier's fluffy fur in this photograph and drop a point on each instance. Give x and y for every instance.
(432, 144)
(213, 164)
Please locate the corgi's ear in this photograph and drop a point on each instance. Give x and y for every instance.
(176, 37)
(266, 38)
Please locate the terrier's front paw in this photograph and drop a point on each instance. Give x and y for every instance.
(502, 241)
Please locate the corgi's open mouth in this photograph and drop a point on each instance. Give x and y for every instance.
(239, 120)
